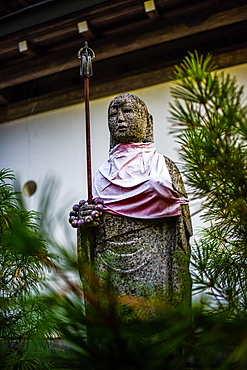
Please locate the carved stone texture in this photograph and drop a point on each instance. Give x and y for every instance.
(143, 257)
(147, 257)
(129, 120)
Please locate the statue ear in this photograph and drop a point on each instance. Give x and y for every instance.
(149, 131)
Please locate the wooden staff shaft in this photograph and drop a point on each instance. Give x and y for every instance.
(88, 140)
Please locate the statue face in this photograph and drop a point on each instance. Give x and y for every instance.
(127, 120)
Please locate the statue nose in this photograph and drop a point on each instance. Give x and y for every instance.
(120, 116)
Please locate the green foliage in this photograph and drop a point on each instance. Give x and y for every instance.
(219, 270)
(19, 360)
(23, 259)
(209, 118)
(23, 253)
(212, 127)
(104, 331)
(120, 332)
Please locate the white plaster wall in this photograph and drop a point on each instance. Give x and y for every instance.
(53, 144)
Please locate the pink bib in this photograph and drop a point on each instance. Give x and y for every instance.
(135, 182)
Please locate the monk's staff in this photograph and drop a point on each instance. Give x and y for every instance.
(86, 55)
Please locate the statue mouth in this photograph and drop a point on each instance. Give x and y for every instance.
(122, 129)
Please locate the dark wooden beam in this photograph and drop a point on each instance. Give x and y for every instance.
(28, 48)
(31, 70)
(36, 14)
(8, 8)
(64, 28)
(86, 30)
(3, 100)
(114, 46)
(24, 3)
(234, 58)
(123, 84)
(151, 10)
(67, 27)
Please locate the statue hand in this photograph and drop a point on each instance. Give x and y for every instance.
(86, 214)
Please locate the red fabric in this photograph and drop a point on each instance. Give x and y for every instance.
(135, 182)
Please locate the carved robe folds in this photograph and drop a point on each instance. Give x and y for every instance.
(144, 256)
(141, 242)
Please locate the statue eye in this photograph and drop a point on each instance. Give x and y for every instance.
(113, 112)
(127, 110)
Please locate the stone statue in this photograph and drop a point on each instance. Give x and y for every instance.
(141, 240)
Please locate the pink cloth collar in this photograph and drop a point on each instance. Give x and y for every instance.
(135, 182)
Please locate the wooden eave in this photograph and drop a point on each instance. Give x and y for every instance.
(132, 50)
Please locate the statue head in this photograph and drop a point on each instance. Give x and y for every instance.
(129, 120)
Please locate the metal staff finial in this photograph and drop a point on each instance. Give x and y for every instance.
(86, 55)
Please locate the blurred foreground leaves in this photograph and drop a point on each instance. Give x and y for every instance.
(119, 332)
(104, 331)
(24, 259)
